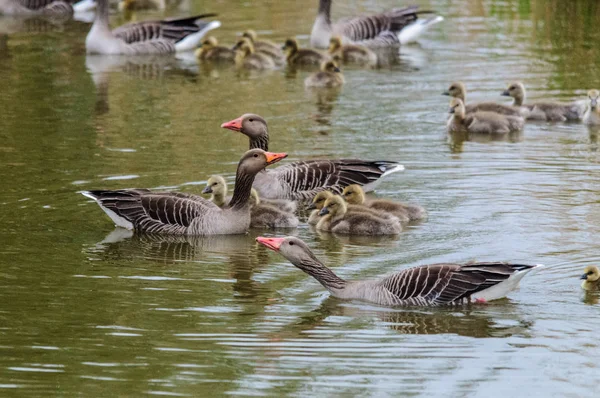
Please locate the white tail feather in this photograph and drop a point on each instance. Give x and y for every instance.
(411, 33)
(190, 42)
(118, 220)
(501, 289)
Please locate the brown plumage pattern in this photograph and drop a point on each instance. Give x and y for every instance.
(458, 90)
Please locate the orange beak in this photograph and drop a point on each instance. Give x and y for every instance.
(234, 125)
(275, 157)
(272, 243)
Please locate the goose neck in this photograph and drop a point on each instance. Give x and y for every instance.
(242, 189)
(102, 11)
(325, 10)
(260, 142)
(326, 277)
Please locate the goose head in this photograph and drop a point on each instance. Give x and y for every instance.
(456, 90)
(516, 90)
(354, 194)
(591, 273)
(216, 185)
(256, 160)
(249, 124)
(334, 206)
(290, 46)
(335, 43)
(319, 200)
(251, 35)
(457, 107)
(593, 96)
(330, 66)
(294, 249)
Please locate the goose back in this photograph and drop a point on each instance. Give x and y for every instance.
(49, 8)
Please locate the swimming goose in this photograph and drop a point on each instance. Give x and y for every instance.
(591, 278)
(319, 200)
(328, 77)
(425, 285)
(458, 90)
(354, 194)
(336, 218)
(263, 215)
(211, 51)
(481, 122)
(247, 57)
(301, 56)
(266, 47)
(380, 30)
(350, 53)
(592, 114)
(150, 37)
(217, 187)
(183, 214)
(32, 8)
(550, 111)
(139, 5)
(303, 179)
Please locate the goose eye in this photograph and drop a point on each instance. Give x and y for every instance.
(251, 120)
(291, 243)
(256, 155)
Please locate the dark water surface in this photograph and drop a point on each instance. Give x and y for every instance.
(85, 310)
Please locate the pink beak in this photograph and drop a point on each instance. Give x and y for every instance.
(235, 124)
(272, 243)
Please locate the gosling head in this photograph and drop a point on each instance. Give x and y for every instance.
(335, 206)
(593, 96)
(254, 198)
(216, 185)
(591, 274)
(209, 43)
(251, 35)
(127, 5)
(335, 43)
(456, 90)
(515, 90)
(457, 107)
(290, 46)
(330, 66)
(354, 194)
(319, 200)
(244, 47)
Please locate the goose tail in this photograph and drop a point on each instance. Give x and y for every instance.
(84, 6)
(412, 32)
(190, 42)
(501, 289)
(97, 196)
(387, 168)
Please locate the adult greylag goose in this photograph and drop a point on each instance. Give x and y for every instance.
(380, 30)
(246, 57)
(550, 111)
(350, 53)
(217, 187)
(183, 214)
(301, 56)
(592, 113)
(458, 90)
(210, 50)
(481, 122)
(336, 218)
(329, 76)
(591, 278)
(143, 38)
(425, 285)
(265, 46)
(303, 179)
(263, 215)
(319, 200)
(33, 8)
(354, 194)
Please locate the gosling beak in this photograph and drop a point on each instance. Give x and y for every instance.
(584, 277)
(207, 189)
(451, 110)
(233, 125)
(324, 211)
(505, 93)
(283, 47)
(446, 92)
(336, 69)
(275, 157)
(272, 243)
(311, 206)
(594, 102)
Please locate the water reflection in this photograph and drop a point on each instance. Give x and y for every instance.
(456, 140)
(325, 101)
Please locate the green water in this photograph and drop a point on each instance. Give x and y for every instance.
(87, 310)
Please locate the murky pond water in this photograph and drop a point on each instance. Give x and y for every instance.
(91, 311)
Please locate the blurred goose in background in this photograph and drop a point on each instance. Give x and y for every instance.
(151, 37)
(350, 53)
(246, 57)
(591, 278)
(139, 5)
(302, 180)
(184, 214)
(389, 28)
(550, 111)
(592, 113)
(263, 215)
(32, 8)
(336, 218)
(210, 50)
(481, 122)
(265, 46)
(458, 90)
(301, 56)
(354, 194)
(425, 285)
(328, 77)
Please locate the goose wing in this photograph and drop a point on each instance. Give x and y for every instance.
(165, 212)
(38, 4)
(170, 29)
(369, 27)
(302, 180)
(438, 284)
